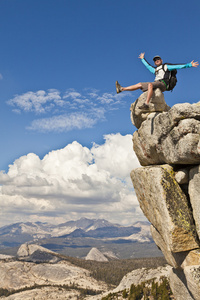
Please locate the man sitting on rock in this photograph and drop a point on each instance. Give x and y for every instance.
(161, 80)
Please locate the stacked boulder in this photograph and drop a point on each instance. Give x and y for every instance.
(167, 144)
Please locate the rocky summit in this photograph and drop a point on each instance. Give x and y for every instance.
(167, 185)
(40, 274)
(96, 255)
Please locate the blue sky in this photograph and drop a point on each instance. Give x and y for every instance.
(59, 60)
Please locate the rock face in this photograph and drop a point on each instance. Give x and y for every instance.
(45, 280)
(157, 104)
(170, 137)
(141, 275)
(46, 293)
(36, 254)
(163, 202)
(96, 255)
(28, 249)
(136, 277)
(167, 145)
(194, 191)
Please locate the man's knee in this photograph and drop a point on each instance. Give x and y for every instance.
(150, 86)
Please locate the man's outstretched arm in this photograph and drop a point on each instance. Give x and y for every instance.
(147, 65)
(182, 66)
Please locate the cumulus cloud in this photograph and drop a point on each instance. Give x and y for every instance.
(67, 122)
(72, 182)
(72, 110)
(38, 102)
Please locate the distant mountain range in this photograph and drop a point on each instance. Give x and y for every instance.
(95, 228)
(76, 238)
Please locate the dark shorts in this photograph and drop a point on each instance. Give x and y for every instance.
(156, 85)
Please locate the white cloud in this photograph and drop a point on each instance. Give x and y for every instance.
(37, 102)
(72, 94)
(67, 122)
(69, 111)
(106, 98)
(107, 151)
(72, 182)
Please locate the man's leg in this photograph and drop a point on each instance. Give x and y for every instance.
(153, 86)
(134, 87)
(149, 93)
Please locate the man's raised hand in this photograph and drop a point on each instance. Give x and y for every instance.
(194, 64)
(141, 56)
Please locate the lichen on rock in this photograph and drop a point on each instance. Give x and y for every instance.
(163, 202)
(167, 145)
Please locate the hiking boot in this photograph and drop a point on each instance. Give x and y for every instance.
(144, 106)
(118, 87)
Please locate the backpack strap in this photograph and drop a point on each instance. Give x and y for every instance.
(165, 71)
(165, 84)
(163, 66)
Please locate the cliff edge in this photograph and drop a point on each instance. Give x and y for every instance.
(167, 144)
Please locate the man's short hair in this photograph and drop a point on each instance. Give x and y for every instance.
(156, 57)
